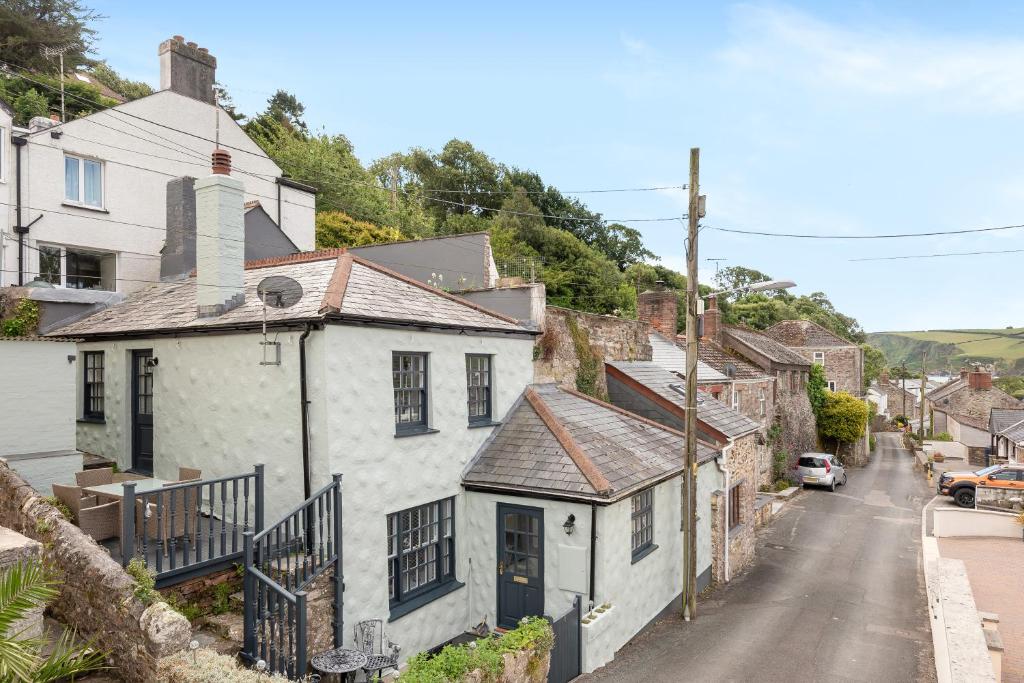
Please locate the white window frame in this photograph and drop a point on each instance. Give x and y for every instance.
(762, 401)
(80, 201)
(64, 262)
(831, 385)
(819, 358)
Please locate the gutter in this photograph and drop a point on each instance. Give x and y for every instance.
(19, 142)
(593, 549)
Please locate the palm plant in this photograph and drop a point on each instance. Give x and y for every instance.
(23, 587)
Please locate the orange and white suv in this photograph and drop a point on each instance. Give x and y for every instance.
(962, 485)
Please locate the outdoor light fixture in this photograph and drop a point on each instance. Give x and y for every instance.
(570, 525)
(152, 362)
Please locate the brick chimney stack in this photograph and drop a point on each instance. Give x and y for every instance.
(220, 239)
(660, 308)
(963, 373)
(712, 320)
(980, 379)
(187, 69)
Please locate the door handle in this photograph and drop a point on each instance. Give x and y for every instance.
(501, 568)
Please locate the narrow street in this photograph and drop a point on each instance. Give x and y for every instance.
(836, 594)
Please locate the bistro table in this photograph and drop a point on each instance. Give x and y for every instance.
(115, 491)
(341, 661)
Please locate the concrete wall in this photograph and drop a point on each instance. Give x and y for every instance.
(136, 197)
(951, 522)
(37, 395)
(462, 261)
(353, 432)
(949, 449)
(966, 434)
(525, 303)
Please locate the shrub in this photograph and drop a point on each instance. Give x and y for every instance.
(842, 417)
(207, 666)
(941, 436)
(779, 461)
(455, 661)
(24, 320)
(145, 589)
(872, 442)
(61, 506)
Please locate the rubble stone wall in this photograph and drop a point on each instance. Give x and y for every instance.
(96, 596)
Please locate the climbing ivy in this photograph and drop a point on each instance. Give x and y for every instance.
(24, 320)
(589, 370)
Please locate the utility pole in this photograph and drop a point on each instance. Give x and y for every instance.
(903, 379)
(690, 477)
(924, 382)
(50, 52)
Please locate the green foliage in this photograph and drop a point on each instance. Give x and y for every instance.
(27, 26)
(23, 322)
(941, 436)
(189, 610)
(145, 580)
(874, 363)
(130, 90)
(817, 389)
(28, 105)
(872, 442)
(842, 417)
(780, 459)
(589, 369)
(338, 229)
(24, 587)
(1011, 384)
(222, 598)
(455, 661)
(61, 506)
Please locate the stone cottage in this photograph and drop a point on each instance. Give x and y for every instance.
(971, 395)
(841, 359)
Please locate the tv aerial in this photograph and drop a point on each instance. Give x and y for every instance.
(276, 291)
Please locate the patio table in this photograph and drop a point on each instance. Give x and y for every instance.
(115, 491)
(341, 661)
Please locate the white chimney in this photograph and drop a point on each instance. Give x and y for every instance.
(220, 239)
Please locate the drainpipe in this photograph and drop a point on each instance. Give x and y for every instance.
(593, 549)
(723, 465)
(304, 406)
(19, 142)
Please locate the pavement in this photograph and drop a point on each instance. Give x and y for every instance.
(836, 594)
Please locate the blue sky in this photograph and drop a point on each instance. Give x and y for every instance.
(840, 118)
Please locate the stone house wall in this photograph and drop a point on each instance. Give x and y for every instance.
(747, 399)
(894, 397)
(798, 433)
(843, 365)
(610, 338)
(743, 464)
(96, 596)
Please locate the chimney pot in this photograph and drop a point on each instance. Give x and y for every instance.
(221, 162)
(55, 118)
(180, 39)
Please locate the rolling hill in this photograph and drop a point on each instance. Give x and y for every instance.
(951, 349)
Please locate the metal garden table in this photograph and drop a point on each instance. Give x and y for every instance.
(341, 661)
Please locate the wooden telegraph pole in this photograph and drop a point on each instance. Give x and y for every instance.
(689, 495)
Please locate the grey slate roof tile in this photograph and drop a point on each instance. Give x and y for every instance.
(766, 345)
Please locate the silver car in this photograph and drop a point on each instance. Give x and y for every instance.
(820, 469)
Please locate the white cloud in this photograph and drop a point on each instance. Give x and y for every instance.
(965, 73)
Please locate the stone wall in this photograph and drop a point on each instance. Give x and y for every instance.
(608, 337)
(16, 549)
(843, 365)
(96, 596)
(744, 466)
(894, 398)
(798, 428)
(1011, 500)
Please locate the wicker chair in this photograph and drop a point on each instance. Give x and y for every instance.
(189, 474)
(104, 475)
(175, 507)
(101, 521)
(370, 640)
(121, 477)
(73, 498)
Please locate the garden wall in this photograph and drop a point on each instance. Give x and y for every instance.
(96, 596)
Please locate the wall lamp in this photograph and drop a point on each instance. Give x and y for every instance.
(569, 525)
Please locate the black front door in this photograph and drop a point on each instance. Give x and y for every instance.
(520, 563)
(142, 411)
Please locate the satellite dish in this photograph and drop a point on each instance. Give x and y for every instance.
(279, 291)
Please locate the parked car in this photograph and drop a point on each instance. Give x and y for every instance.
(961, 485)
(820, 469)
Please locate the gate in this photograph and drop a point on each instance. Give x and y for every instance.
(567, 653)
(281, 562)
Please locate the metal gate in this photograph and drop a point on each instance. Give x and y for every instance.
(567, 653)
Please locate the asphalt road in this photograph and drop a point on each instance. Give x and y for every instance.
(836, 594)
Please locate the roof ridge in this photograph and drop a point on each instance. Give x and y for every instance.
(1015, 424)
(298, 257)
(334, 295)
(433, 290)
(579, 457)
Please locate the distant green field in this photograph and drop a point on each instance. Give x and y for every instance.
(948, 349)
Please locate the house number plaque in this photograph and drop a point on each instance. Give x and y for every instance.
(520, 579)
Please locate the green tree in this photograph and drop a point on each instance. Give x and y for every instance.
(874, 363)
(817, 389)
(27, 26)
(130, 90)
(898, 372)
(29, 104)
(843, 417)
(735, 277)
(23, 588)
(338, 229)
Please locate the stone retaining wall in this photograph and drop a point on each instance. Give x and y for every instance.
(1010, 500)
(96, 596)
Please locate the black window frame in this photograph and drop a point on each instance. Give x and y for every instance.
(639, 545)
(92, 390)
(487, 416)
(444, 552)
(420, 425)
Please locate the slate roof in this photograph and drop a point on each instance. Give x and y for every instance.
(970, 420)
(718, 358)
(710, 411)
(667, 354)
(1014, 433)
(336, 285)
(556, 441)
(765, 345)
(804, 333)
(1004, 418)
(944, 389)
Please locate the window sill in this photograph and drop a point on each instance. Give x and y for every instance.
(416, 432)
(488, 423)
(86, 207)
(641, 554)
(92, 420)
(413, 604)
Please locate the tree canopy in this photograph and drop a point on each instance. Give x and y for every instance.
(28, 26)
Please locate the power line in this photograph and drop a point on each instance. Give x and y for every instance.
(561, 218)
(952, 253)
(865, 237)
(517, 190)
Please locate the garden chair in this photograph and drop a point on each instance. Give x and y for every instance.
(72, 497)
(98, 477)
(184, 519)
(121, 477)
(101, 521)
(370, 640)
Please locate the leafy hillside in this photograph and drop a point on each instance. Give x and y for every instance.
(951, 349)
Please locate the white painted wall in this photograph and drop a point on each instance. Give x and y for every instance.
(140, 158)
(382, 474)
(952, 522)
(37, 396)
(966, 434)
